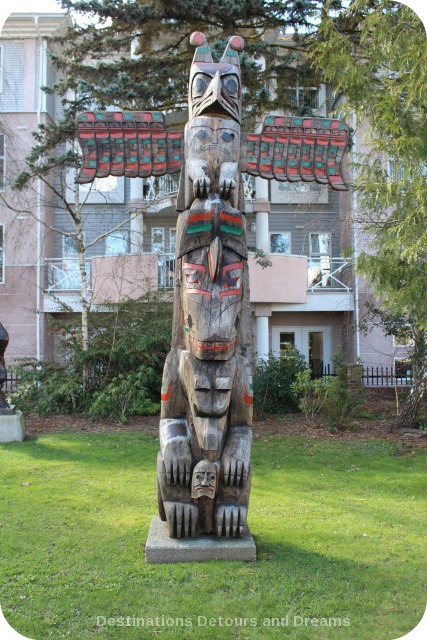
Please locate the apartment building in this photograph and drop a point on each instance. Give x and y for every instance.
(307, 297)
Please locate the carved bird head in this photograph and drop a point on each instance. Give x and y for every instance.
(215, 88)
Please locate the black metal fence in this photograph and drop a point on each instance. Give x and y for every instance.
(375, 376)
(11, 383)
(387, 376)
(321, 371)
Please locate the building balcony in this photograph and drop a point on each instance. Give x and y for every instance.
(288, 282)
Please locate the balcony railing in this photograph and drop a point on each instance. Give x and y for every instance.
(155, 188)
(166, 270)
(63, 274)
(326, 273)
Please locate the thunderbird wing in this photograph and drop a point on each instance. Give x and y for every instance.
(135, 144)
(294, 149)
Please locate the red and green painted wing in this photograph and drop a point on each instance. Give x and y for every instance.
(135, 144)
(294, 149)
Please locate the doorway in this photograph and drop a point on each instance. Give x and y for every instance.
(314, 343)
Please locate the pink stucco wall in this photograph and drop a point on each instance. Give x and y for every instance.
(118, 278)
(284, 281)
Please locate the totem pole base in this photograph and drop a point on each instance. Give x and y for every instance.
(160, 548)
(12, 427)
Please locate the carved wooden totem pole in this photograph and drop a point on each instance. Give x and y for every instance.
(5, 407)
(203, 467)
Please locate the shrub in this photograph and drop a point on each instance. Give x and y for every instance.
(128, 345)
(341, 404)
(331, 397)
(273, 391)
(125, 395)
(46, 388)
(310, 393)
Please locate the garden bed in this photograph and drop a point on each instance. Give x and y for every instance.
(374, 423)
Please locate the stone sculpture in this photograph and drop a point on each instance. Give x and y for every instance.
(203, 467)
(5, 407)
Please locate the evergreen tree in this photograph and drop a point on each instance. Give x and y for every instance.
(136, 55)
(375, 55)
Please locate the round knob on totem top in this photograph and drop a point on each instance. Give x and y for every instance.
(198, 39)
(237, 43)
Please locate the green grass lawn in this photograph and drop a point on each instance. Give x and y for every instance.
(338, 526)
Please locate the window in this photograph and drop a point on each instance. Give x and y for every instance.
(299, 192)
(404, 339)
(2, 254)
(102, 185)
(403, 369)
(394, 170)
(70, 273)
(2, 162)
(320, 244)
(319, 264)
(286, 342)
(116, 243)
(305, 98)
(172, 241)
(158, 240)
(280, 242)
(69, 246)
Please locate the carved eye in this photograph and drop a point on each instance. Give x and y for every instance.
(201, 135)
(192, 278)
(212, 477)
(199, 85)
(199, 476)
(230, 86)
(230, 281)
(227, 137)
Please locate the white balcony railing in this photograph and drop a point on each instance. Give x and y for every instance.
(63, 274)
(326, 273)
(156, 188)
(166, 270)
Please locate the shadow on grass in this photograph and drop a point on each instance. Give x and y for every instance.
(137, 450)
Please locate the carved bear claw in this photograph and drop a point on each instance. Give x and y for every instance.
(236, 472)
(201, 187)
(177, 460)
(226, 187)
(182, 519)
(230, 520)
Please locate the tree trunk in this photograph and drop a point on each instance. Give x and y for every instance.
(84, 284)
(407, 416)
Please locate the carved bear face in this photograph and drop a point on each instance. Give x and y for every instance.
(212, 293)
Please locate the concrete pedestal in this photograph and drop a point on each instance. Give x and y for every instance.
(161, 548)
(12, 427)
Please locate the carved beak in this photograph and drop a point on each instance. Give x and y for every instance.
(215, 103)
(214, 258)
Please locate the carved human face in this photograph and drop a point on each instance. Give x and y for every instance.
(215, 90)
(212, 294)
(204, 481)
(207, 136)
